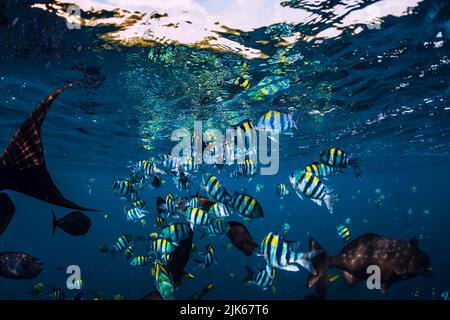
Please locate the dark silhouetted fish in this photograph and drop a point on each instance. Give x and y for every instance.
(202, 292)
(7, 210)
(19, 265)
(75, 223)
(396, 259)
(241, 238)
(22, 165)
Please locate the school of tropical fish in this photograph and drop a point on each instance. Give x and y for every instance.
(271, 84)
(210, 212)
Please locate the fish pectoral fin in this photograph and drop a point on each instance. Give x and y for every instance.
(299, 195)
(349, 278)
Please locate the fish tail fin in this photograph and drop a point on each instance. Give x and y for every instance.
(330, 199)
(321, 263)
(7, 210)
(250, 274)
(22, 165)
(354, 163)
(160, 205)
(305, 260)
(55, 223)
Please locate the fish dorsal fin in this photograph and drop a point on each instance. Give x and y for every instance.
(414, 242)
(23, 161)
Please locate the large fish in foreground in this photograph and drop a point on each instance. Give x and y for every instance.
(396, 259)
(23, 168)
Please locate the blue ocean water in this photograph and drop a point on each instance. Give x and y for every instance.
(379, 91)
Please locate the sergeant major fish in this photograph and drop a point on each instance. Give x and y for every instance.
(247, 206)
(208, 257)
(340, 159)
(276, 121)
(312, 187)
(282, 254)
(263, 279)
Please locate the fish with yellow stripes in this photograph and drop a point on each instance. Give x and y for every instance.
(125, 188)
(322, 170)
(312, 187)
(244, 142)
(164, 280)
(285, 255)
(219, 210)
(343, 233)
(242, 81)
(161, 246)
(248, 168)
(146, 167)
(277, 121)
(139, 261)
(198, 217)
(167, 205)
(188, 165)
(340, 159)
(214, 188)
(282, 190)
(263, 278)
(208, 257)
(160, 222)
(247, 206)
(217, 227)
(135, 214)
(176, 232)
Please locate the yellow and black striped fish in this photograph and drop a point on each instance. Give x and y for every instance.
(198, 217)
(242, 82)
(247, 206)
(122, 243)
(276, 121)
(164, 280)
(139, 261)
(282, 190)
(343, 233)
(312, 187)
(176, 232)
(160, 222)
(214, 188)
(244, 142)
(338, 158)
(161, 246)
(248, 168)
(321, 169)
(208, 257)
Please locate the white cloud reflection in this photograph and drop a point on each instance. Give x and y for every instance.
(197, 22)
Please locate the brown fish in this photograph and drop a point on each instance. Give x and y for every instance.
(241, 238)
(75, 223)
(22, 164)
(397, 260)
